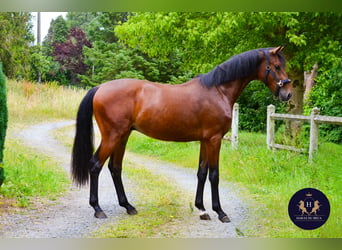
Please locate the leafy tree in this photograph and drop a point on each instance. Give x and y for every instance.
(15, 38)
(3, 121)
(41, 63)
(108, 59)
(328, 96)
(80, 19)
(102, 27)
(70, 53)
(58, 31)
(205, 39)
(98, 26)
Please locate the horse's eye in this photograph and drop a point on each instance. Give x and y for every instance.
(277, 67)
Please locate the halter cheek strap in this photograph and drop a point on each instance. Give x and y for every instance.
(280, 83)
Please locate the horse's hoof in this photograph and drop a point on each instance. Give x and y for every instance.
(100, 215)
(132, 211)
(205, 216)
(225, 219)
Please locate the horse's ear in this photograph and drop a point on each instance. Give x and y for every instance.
(277, 49)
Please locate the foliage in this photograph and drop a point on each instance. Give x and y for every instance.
(108, 61)
(70, 53)
(253, 107)
(197, 36)
(15, 37)
(3, 121)
(58, 31)
(40, 64)
(327, 95)
(80, 19)
(99, 26)
(3, 112)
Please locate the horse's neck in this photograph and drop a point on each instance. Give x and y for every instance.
(233, 89)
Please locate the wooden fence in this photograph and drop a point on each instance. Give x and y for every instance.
(314, 119)
(235, 126)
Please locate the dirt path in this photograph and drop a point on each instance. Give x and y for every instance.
(72, 217)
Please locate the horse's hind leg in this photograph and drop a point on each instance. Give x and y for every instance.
(115, 168)
(95, 170)
(97, 162)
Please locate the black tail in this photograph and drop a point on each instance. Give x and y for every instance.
(84, 140)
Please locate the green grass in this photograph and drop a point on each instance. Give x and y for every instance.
(29, 174)
(270, 178)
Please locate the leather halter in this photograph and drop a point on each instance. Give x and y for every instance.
(280, 83)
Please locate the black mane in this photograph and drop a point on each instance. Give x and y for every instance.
(238, 66)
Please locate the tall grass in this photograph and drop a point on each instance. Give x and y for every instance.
(270, 178)
(33, 103)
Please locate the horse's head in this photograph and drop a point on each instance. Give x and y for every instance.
(272, 72)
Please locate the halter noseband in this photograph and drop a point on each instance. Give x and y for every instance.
(280, 83)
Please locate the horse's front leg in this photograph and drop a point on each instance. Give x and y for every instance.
(214, 181)
(213, 150)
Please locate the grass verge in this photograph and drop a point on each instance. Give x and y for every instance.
(30, 175)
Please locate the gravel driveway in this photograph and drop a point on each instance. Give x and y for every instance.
(71, 216)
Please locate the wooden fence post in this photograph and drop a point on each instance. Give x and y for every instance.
(235, 126)
(313, 133)
(270, 126)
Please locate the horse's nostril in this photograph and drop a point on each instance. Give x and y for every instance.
(289, 96)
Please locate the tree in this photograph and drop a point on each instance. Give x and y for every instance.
(328, 96)
(41, 64)
(3, 121)
(102, 27)
(80, 19)
(108, 61)
(58, 31)
(70, 53)
(15, 38)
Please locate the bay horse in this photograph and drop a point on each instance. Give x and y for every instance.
(197, 110)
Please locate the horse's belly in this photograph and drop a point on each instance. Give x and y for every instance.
(168, 130)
